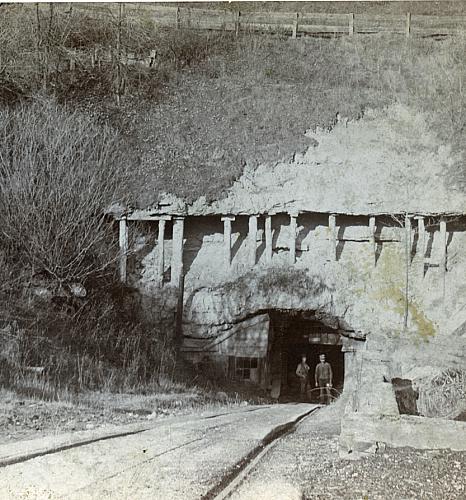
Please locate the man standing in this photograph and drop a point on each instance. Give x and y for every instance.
(302, 371)
(323, 379)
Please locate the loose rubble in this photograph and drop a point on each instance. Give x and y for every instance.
(308, 460)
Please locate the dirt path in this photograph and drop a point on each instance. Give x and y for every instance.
(184, 458)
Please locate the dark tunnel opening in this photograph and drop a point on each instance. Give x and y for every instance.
(292, 335)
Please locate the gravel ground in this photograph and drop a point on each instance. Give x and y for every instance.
(306, 465)
(28, 418)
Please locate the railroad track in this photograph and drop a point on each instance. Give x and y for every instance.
(219, 450)
(240, 471)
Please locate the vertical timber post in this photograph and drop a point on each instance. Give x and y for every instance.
(421, 244)
(178, 18)
(407, 268)
(295, 27)
(292, 237)
(351, 24)
(252, 236)
(443, 255)
(268, 239)
(123, 240)
(160, 252)
(177, 251)
(408, 24)
(372, 228)
(332, 237)
(177, 275)
(227, 240)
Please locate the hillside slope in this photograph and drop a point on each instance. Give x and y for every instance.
(209, 104)
(254, 104)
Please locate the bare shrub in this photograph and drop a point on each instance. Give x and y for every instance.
(59, 171)
(99, 347)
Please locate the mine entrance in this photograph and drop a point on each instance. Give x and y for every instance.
(297, 333)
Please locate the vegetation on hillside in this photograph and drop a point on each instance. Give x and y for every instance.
(205, 104)
(59, 171)
(60, 308)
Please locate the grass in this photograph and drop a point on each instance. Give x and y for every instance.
(26, 416)
(212, 103)
(443, 394)
(252, 104)
(63, 371)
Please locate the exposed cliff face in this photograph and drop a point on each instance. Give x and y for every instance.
(409, 310)
(365, 296)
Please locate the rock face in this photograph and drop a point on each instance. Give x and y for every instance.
(387, 272)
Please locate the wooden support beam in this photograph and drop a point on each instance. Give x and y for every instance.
(252, 238)
(177, 251)
(372, 229)
(227, 240)
(443, 254)
(123, 240)
(142, 215)
(292, 237)
(407, 242)
(160, 252)
(421, 244)
(268, 239)
(408, 238)
(332, 237)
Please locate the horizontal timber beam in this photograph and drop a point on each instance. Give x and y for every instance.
(143, 215)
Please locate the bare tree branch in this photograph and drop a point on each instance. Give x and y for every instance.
(58, 173)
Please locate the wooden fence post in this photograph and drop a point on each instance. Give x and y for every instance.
(237, 23)
(408, 24)
(151, 59)
(178, 18)
(295, 27)
(351, 24)
(73, 60)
